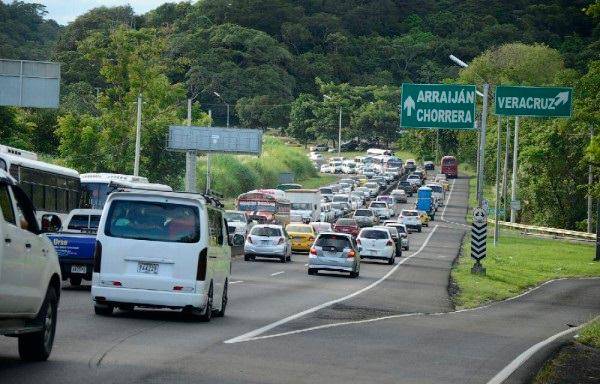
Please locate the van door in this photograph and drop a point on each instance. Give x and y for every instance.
(12, 261)
(35, 253)
(216, 242)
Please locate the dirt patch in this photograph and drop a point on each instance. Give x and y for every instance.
(574, 363)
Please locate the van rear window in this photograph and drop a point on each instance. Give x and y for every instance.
(153, 221)
(80, 222)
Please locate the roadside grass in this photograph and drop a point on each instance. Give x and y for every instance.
(318, 181)
(518, 262)
(590, 334)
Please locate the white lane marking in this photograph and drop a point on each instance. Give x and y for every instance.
(257, 332)
(523, 357)
(325, 326)
(277, 273)
(448, 199)
(236, 282)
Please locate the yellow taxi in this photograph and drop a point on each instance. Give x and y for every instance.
(302, 236)
(362, 180)
(424, 218)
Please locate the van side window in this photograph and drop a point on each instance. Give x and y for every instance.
(215, 227)
(6, 206)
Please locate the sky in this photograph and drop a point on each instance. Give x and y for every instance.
(64, 11)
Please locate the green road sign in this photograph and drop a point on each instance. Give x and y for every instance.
(534, 101)
(436, 106)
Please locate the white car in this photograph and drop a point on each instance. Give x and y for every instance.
(376, 243)
(237, 223)
(349, 167)
(336, 166)
(382, 209)
(326, 168)
(373, 188)
(366, 192)
(320, 226)
(411, 218)
(414, 180)
(162, 250)
(402, 231)
(316, 156)
(268, 240)
(29, 275)
(438, 193)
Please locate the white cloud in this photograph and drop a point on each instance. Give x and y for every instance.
(65, 11)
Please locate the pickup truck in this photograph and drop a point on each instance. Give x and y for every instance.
(75, 244)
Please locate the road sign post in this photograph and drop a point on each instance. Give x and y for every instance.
(478, 239)
(437, 106)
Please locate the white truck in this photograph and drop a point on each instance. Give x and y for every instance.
(29, 275)
(305, 205)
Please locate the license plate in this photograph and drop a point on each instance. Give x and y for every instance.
(266, 242)
(80, 269)
(151, 268)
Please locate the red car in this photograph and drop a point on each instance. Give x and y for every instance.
(349, 226)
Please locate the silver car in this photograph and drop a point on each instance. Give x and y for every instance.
(402, 231)
(268, 240)
(334, 252)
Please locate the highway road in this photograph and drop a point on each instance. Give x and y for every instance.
(393, 324)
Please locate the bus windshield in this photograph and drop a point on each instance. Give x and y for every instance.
(94, 195)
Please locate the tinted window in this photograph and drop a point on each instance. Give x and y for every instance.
(298, 229)
(377, 204)
(235, 216)
(340, 198)
(326, 191)
(266, 231)
(363, 212)
(374, 234)
(6, 205)
(339, 242)
(145, 220)
(94, 195)
(410, 213)
(79, 222)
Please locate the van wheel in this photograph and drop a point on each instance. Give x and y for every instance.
(391, 260)
(75, 281)
(224, 299)
(312, 271)
(354, 275)
(208, 310)
(103, 310)
(283, 258)
(38, 345)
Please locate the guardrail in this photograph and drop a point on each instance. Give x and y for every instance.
(557, 232)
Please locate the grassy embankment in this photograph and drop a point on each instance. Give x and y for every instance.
(518, 263)
(233, 175)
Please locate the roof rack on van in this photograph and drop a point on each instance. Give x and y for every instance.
(209, 197)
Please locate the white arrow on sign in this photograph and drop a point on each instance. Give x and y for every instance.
(561, 98)
(409, 105)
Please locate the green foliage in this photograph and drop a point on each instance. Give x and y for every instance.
(518, 263)
(590, 334)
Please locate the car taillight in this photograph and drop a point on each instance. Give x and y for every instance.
(281, 240)
(351, 254)
(311, 238)
(390, 243)
(97, 256)
(201, 268)
(313, 251)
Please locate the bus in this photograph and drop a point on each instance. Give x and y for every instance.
(54, 190)
(449, 166)
(379, 151)
(264, 206)
(95, 187)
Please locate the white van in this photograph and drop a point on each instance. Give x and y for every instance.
(161, 250)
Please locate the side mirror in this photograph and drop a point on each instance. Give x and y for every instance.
(238, 240)
(51, 223)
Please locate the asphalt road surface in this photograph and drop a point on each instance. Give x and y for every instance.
(393, 324)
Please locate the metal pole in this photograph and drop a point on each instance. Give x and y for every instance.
(437, 145)
(498, 137)
(597, 233)
(227, 114)
(513, 193)
(138, 133)
(190, 157)
(589, 196)
(478, 126)
(208, 159)
(486, 88)
(505, 173)
(340, 133)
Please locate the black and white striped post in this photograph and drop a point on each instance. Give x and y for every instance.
(478, 240)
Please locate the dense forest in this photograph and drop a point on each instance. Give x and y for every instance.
(274, 60)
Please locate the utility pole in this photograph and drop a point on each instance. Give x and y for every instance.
(498, 137)
(340, 133)
(208, 159)
(190, 157)
(597, 233)
(437, 146)
(589, 196)
(478, 127)
(227, 104)
(480, 176)
(513, 194)
(505, 173)
(138, 133)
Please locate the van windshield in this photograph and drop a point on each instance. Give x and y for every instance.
(153, 221)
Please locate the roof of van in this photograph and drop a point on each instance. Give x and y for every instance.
(158, 194)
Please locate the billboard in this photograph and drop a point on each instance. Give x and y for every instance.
(26, 83)
(215, 139)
